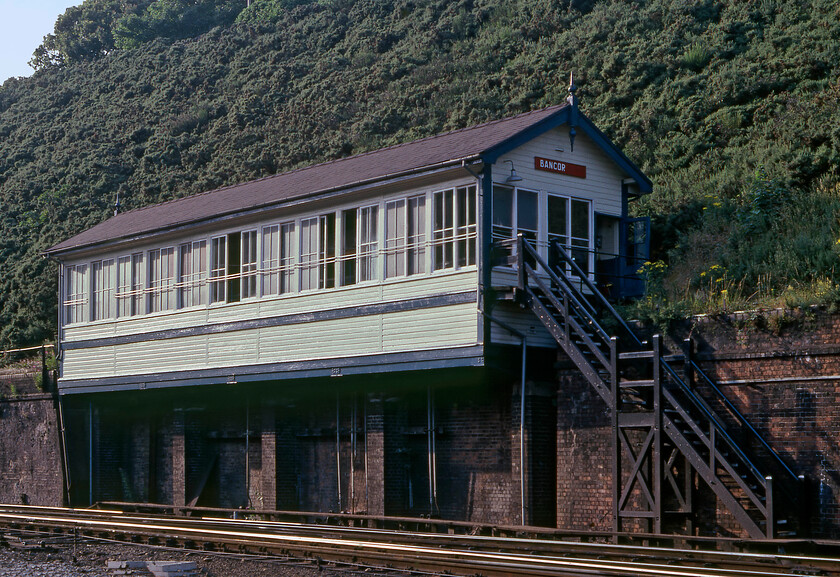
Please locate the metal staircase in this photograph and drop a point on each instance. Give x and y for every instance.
(673, 429)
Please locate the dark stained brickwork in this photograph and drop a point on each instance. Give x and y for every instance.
(297, 446)
(584, 446)
(782, 370)
(30, 456)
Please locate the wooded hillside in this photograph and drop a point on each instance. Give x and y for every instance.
(732, 108)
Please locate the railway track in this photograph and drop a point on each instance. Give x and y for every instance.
(456, 554)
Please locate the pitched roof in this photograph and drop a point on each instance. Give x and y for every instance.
(427, 153)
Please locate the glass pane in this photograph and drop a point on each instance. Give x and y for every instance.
(287, 234)
(124, 286)
(348, 250)
(368, 243)
(580, 219)
(416, 234)
(580, 254)
(185, 277)
(395, 238)
(309, 254)
(137, 283)
(527, 210)
(327, 251)
(218, 261)
(249, 264)
(503, 206)
(557, 216)
(270, 260)
(444, 230)
(466, 229)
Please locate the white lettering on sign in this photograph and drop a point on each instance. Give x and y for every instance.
(560, 167)
(552, 165)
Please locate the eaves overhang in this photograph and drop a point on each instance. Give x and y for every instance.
(59, 251)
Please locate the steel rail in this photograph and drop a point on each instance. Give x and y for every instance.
(472, 541)
(416, 555)
(342, 543)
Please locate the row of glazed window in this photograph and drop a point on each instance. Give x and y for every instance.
(543, 218)
(360, 244)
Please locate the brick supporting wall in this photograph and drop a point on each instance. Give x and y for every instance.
(782, 370)
(584, 449)
(176, 480)
(30, 452)
(370, 440)
(375, 466)
(264, 491)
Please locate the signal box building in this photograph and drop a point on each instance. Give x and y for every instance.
(344, 337)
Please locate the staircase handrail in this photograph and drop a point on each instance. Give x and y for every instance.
(562, 280)
(721, 431)
(525, 246)
(565, 256)
(741, 418)
(701, 404)
(696, 400)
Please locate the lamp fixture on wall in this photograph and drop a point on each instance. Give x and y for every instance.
(513, 176)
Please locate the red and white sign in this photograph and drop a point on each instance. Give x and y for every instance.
(560, 167)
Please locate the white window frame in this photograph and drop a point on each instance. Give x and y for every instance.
(217, 272)
(367, 248)
(130, 285)
(448, 243)
(161, 279)
(102, 290)
(396, 237)
(309, 239)
(248, 265)
(192, 274)
(270, 265)
(405, 236)
(569, 241)
(76, 293)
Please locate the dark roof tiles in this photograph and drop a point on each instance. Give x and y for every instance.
(366, 167)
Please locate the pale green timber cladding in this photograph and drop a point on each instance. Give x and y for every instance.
(424, 329)
(442, 327)
(602, 186)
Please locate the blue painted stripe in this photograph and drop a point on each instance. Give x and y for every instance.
(338, 367)
(311, 317)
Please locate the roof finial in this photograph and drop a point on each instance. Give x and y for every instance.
(573, 103)
(117, 204)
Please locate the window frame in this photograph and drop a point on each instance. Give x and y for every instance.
(249, 286)
(569, 239)
(192, 291)
(217, 271)
(102, 290)
(405, 250)
(393, 237)
(76, 299)
(161, 294)
(130, 296)
(446, 244)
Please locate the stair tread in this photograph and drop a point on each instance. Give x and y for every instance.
(636, 355)
(637, 383)
(576, 330)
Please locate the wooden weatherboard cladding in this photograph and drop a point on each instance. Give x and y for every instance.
(559, 167)
(346, 276)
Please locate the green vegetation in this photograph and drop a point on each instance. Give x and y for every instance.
(732, 107)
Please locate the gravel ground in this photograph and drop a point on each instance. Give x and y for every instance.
(89, 560)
